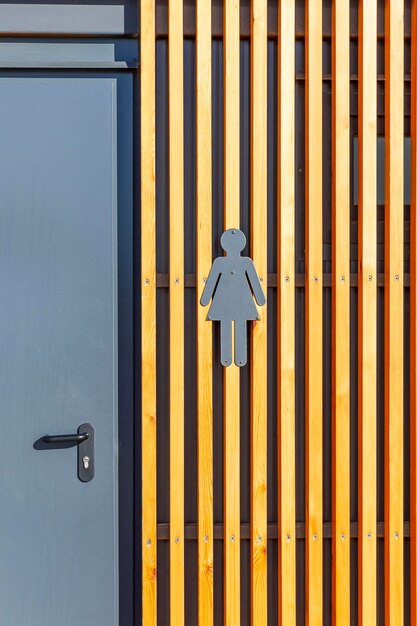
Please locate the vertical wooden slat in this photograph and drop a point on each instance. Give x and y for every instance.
(259, 331)
(314, 314)
(394, 287)
(176, 311)
(204, 329)
(413, 322)
(148, 302)
(286, 314)
(231, 411)
(367, 313)
(340, 316)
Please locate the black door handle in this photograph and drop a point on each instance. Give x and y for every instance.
(76, 438)
(84, 440)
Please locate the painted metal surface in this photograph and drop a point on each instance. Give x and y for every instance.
(58, 320)
(114, 54)
(71, 52)
(62, 18)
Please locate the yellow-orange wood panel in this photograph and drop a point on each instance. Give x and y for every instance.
(367, 312)
(148, 301)
(314, 312)
(340, 317)
(259, 330)
(286, 314)
(394, 287)
(231, 409)
(176, 311)
(413, 322)
(204, 330)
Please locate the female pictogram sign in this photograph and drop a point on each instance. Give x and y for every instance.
(232, 284)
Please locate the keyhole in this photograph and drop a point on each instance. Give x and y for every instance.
(86, 462)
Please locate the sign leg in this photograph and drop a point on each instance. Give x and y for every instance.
(240, 343)
(226, 343)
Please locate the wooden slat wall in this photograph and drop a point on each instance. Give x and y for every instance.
(148, 306)
(286, 314)
(231, 386)
(204, 330)
(176, 311)
(259, 332)
(367, 316)
(394, 288)
(217, 579)
(314, 313)
(245, 19)
(413, 323)
(340, 314)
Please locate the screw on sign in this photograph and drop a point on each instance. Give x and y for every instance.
(232, 284)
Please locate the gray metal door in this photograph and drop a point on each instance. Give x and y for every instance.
(58, 350)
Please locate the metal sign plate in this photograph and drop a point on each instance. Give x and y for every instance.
(232, 285)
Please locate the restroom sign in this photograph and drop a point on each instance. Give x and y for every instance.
(233, 285)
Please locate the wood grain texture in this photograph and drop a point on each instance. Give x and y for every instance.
(286, 314)
(204, 328)
(314, 315)
(413, 322)
(231, 382)
(394, 310)
(340, 314)
(258, 213)
(176, 310)
(367, 314)
(148, 304)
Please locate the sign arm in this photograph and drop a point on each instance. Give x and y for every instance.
(211, 283)
(255, 283)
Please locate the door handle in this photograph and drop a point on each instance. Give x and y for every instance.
(76, 438)
(84, 440)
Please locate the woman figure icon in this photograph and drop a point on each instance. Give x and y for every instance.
(232, 284)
